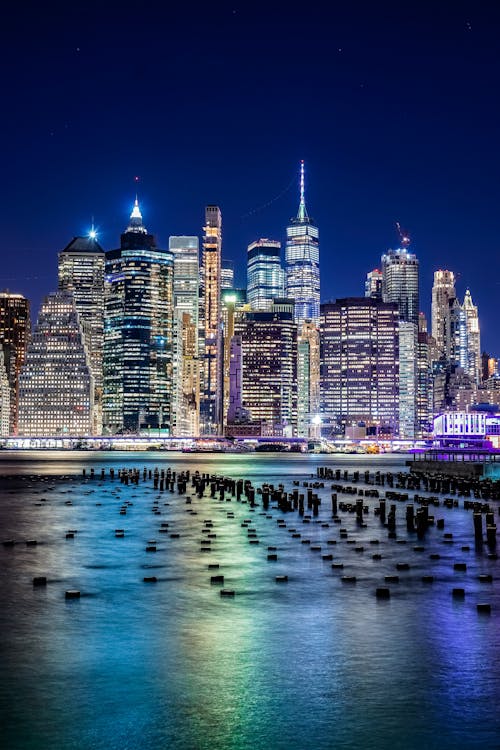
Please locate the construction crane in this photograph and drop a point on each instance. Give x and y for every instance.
(404, 237)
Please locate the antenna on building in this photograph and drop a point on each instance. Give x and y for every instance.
(93, 231)
(403, 235)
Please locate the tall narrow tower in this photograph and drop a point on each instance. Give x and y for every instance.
(15, 329)
(302, 262)
(400, 280)
(473, 338)
(211, 390)
(81, 272)
(443, 290)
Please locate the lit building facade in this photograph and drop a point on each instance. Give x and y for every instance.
(138, 333)
(56, 384)
(233, 306)
(226, 275)
(443, 290)
(265, 275)
(424, 379)
(81, 272)
(308, 366)
(4, 397)
(269, 368)
(408, 342)
(373, 284)
(359, 365)
(15, 331)
(185, 365)
(473, 338)
(211, 400)
(400, 282)
(302, 262)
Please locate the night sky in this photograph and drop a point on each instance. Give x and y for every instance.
(394, 108)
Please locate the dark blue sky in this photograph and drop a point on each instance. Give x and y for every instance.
(394, 107)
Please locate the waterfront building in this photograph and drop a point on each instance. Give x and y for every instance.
(489, 366)
(400, 281)
(15, 330)
(424, 379)
(4, 397)
(185, 355)
(227, 274)
(473, 338)
(359, 371)
(308, 366)
(233, 305)
(302, 262)
(138, 333)
(56, 384)
(269, 368)
(265, 275)
(81, 272)
(443, 290)
(408, 335)
(373, 284)
(211, 400)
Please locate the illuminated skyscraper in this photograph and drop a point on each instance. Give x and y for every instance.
(186, 376)
(373, 284)
(211, 381)
(15, 330)
(424, 380)
(360, 365)
(269, 368)
(400, 281)
(4, 397)
(138, 333)
(227, 275)
(443, 291)
(81, 272)
(408, 344)
(308, 366)
(302, 262)
(473, 338)
(265, 275)
(56, 387)
(233, 306)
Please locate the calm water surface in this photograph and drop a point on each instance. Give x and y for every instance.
(311, 663)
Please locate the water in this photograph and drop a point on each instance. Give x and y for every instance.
(309, 663)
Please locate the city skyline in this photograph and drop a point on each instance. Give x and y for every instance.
(403, 129)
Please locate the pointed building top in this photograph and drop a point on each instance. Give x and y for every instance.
(302, 212)
(135, 224)
(468, 299)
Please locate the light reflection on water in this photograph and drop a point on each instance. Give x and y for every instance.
(173, 665)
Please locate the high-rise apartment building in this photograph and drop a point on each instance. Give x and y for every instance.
(81, 272)
(211, 381)
(138, 333)
(265, 275)
(473, 338)
(424, 380)
(373, 284)
(4, 397)
(56, 385)
(400, 281)
(408, 349)
(186, 375)
(227, 274)
(233, 305)
(269, 368)
(302, 262)
(360, 365)
(308, 381)
(15, 330)
(443, 290)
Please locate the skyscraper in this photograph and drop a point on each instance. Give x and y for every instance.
(443, 290)
(400, 281)
(227, 274)
(186, 376)
(81, 272)
(302, 262)
(211, 383)
(408, 348)
(473, 338)
(424, 380)
(4, 397)
(233, 304)
(56, 387)
(265, 275)
(269, 368)
(308, 380)
(359, 365)
(373, 284)
(138, 332)
(15, 330)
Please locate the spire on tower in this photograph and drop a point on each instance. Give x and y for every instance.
(302, 212)
(135, 224)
